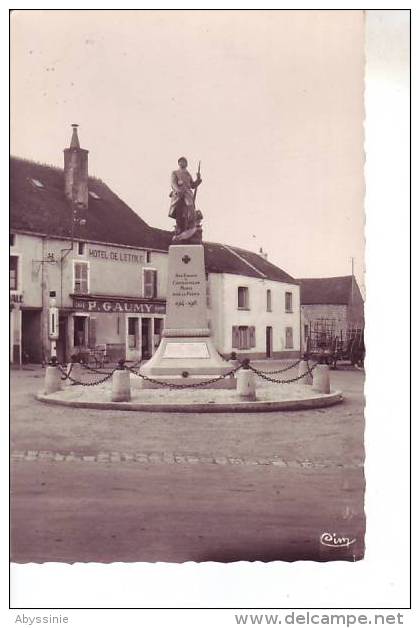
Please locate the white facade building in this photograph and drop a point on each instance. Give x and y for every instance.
(254, 316)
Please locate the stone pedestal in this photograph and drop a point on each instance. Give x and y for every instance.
(303, 370)
(246, 385)
(121, 386)
(52, 380)
(321, 379)
(186, 352)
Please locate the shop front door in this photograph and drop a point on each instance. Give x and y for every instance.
(146, 338)
(132, 351)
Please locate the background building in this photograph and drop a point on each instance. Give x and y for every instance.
(70, 234)
(335, 300)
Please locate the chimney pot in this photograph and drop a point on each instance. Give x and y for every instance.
(76, 171)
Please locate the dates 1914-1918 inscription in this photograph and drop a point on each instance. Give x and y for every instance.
(186, 289)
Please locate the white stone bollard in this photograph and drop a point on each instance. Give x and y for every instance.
(245, 385)
(52, 380)
(303, 369)
(121, 386)
(321, 378)
(74, 369)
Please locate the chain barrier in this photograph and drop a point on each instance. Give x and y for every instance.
(283, 370)
(75, 381)
(92, 370)
(283, 381)
(66, 375)
(184, 386)
(172, 386)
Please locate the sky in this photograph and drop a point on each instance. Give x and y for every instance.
(271, 102)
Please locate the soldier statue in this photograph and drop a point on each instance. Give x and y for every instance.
(188, 218)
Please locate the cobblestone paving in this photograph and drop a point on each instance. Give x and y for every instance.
(176, 458)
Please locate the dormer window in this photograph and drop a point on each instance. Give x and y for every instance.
(94, 195)
(37, 183)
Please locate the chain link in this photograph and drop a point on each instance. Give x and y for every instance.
(184, 386)
(66, 375)
(87, 384)
(283, 381)
(92, 370)
(283, 370)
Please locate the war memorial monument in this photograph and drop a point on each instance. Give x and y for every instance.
(187, 373)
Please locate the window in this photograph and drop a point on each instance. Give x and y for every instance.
(288, 301)
(268, 300)
(81, 278)
(12, 239)
(243, 337)
(149, 283)
(243, 298)
(81, 248)
(305, 332)
(13, 268)
(148, 257)
(289, 338)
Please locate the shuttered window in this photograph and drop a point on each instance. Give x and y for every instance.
(289, 338)
(81, 278)
(149, 283)
(243, 337)
(288, 298)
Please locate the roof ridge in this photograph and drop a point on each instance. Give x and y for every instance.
(323, 278)
(44, 164)
(231, 250)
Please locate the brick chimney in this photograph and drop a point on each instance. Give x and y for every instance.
(76, 172)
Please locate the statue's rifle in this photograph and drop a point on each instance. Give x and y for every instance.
(198, 176)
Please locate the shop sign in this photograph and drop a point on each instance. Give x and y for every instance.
(16, 297)
(116, 256)
(119, 306)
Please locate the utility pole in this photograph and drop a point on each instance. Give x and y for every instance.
(352, 288)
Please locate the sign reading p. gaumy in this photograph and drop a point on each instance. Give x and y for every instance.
(120, 306)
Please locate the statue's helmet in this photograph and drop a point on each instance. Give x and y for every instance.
(183, 159)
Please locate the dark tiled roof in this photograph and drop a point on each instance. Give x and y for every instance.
(45, 210)
(221, 258)
(326, 290)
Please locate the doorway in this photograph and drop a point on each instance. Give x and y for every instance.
(146, 338)
(31, 336)
(62, 340)
(132, 341)
(269, 342)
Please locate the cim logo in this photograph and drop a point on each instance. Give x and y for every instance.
(332, 540)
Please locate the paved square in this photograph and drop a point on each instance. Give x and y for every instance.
(108, 486)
